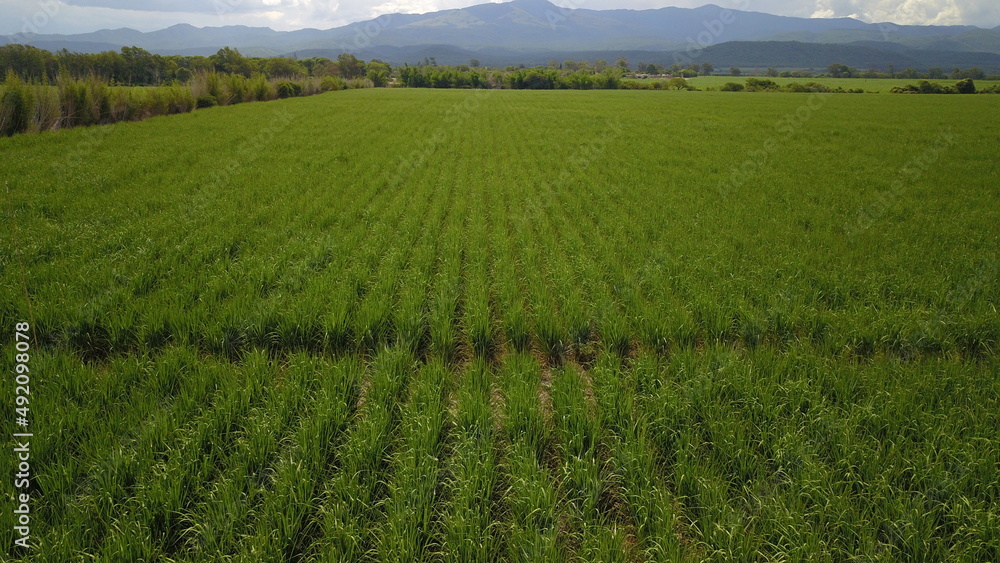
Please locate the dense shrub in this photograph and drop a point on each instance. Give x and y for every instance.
(807, 87)
(966, 86)
(260, 89)
(581, 80)
(679, 84)
(288, 89)
(207, 101)
(311, 86)
(48, 113)
(534, 79)
(925, 87)
(731, 87)
(236, 84)
(17, 107)
(74, 102)
(213, 86)
(120, 106)
(757, 84)
(332, 83)
(138, 106)
(176, 99)
(608, 80)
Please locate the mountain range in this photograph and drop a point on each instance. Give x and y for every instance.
(536, 31)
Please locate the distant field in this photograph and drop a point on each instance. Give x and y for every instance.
(420, 325)
(866, 84)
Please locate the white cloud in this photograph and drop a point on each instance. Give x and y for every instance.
(406, 7)
(917, 12)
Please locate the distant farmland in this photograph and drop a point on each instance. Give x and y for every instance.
(418, 325)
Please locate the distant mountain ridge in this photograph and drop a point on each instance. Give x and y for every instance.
(524, 30)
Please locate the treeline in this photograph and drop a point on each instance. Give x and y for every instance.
(843, 71)
(134, 66)
(511, 78)
(838, 70)
(538, 78)
(767, 85)
(45, 91)
(967, 86)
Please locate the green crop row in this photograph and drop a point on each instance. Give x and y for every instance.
(710, 454)
(511, 326)
(692, 247)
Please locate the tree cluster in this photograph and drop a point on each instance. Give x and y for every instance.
(515, 78)
(134, 66)
(767, 85)
(838, 70)
(965, 86)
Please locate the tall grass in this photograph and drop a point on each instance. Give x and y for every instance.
(76, 102)
(17, 106)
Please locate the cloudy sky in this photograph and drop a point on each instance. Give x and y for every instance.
(77, 16)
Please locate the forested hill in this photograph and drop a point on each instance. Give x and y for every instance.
(537, 31)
